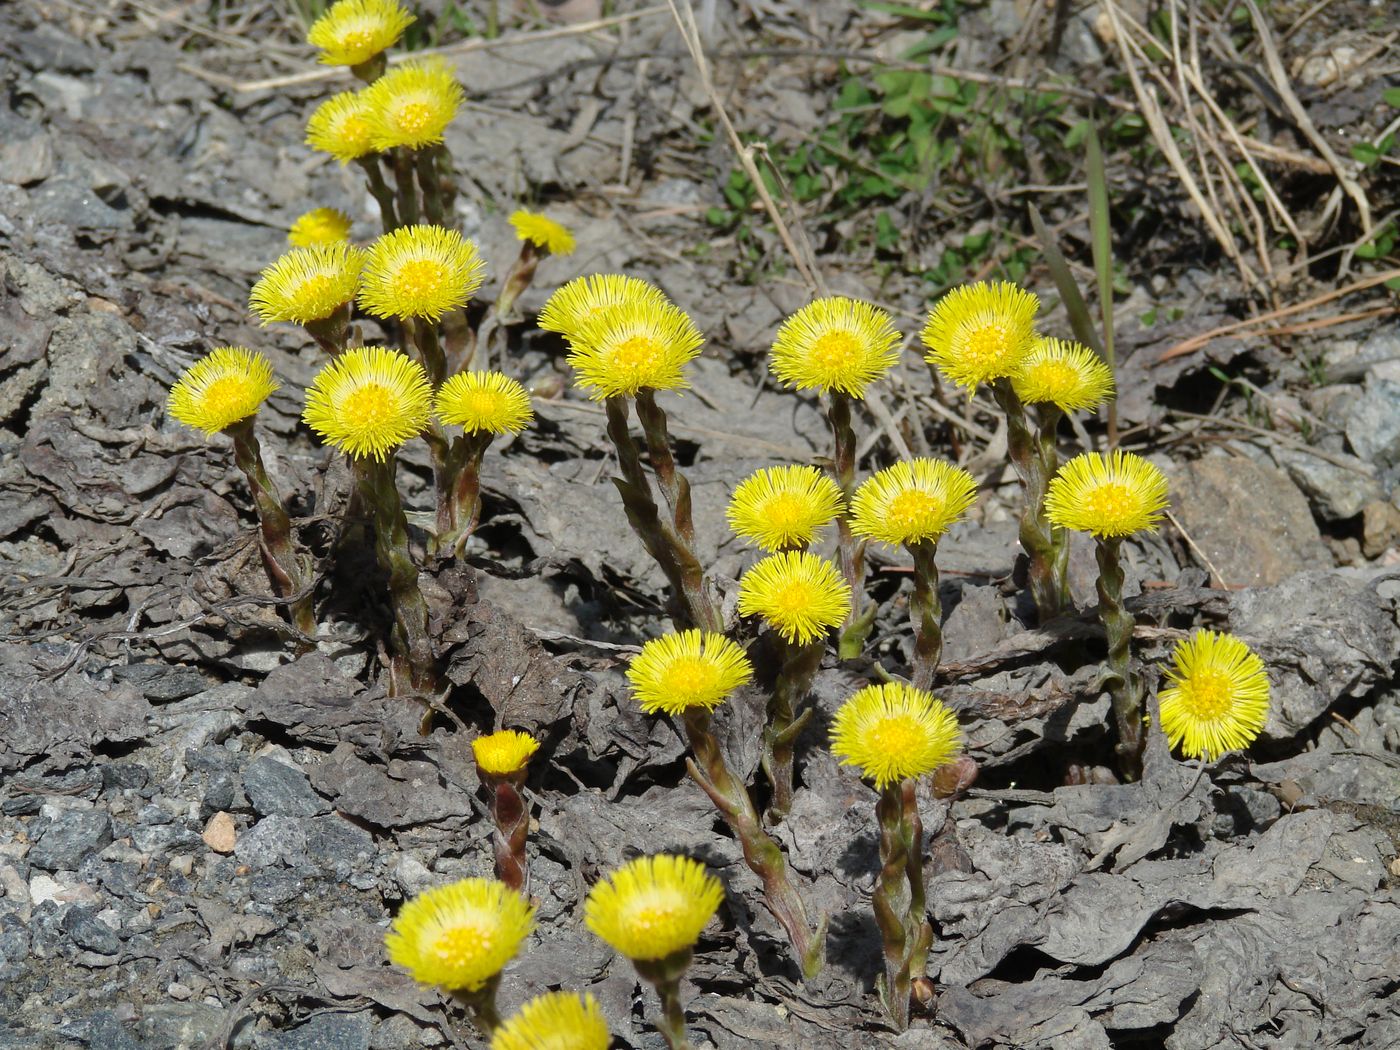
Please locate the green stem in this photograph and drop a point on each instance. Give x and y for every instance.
(850, 551)
(429, 183)
(672, 1015)
(407, 190)
(920, 931)
(1124, 685)
(892, 903)
(1048, 591)
(481, 1005)
(459, 491)
(787, 717)
(380, 191)
(1048, 418)
(331, 332)
(927, 613)
(371, 69)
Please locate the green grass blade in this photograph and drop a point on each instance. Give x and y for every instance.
(1079, 320)
(1100, 235)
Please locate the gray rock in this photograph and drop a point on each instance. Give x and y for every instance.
(336, 845)
(272, 840)
(27, 162)
(277, 789)
(1373, 422)
(71, 836)
(275, 887)
(88, 931)
(176, 1026)
(331, 1031)
(1336, 492)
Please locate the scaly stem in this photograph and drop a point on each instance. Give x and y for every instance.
(1048, 591)
(761, 852)
(331, 332)
(459, 491)
(371, 69)
(517, 280)
(899, 899)
(920, 930)
(380, 191)
(1124, 685)
(786, 719)
(407, 190)
(672, 1015)
(430, 184)
(927, 613)
(512, 828)
(1048, 418)
(481, 1006)
(850, 551)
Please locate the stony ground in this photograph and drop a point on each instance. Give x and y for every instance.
(202, 839)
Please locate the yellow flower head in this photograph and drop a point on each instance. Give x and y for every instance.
(412, 104)
(912, 501)
(835, 344)
(800, 595)
(319, 226)
(420, 271)
(783, 507)
(893, 732)
(1114, 495)
(461, 935)
(230, 384)
(504, 753)
(307, 284)
(635, 345)
(980, 332)
(354, 31)
(555, 1021)
(576, 303)
(691, 669)
(484, 401)
(1218, 696)
(1068, 375)
(340, 126)
(543, 232)
(369, 401)
(653, 907)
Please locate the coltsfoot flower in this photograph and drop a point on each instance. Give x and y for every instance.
(1114, 495)
(368, 401)
(677, 672)
(504, 753)
(307, 284)
(218, 390)
(635, 345)
(319, 226)
(835, 344)
(420, 271)
(543, 232)
(894, 732)
(412, 104)
(352, 32)
(1068, 375)
(340, 126)
(799, 595)
(1218, 696)
(653, 907)
(780, 507)
(577, 302)
(980, 332)
(912, 501)
(461, 935)
(555, 1021)
(490, 402)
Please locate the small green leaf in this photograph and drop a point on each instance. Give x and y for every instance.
(1391, 97)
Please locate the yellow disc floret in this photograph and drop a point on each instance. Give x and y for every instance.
(894, 732)
(1068, 375)
(980, 332)
(369, 401)
(319, 226)
(677, 672)
(420, 271)
(340, 126)
(912, 501)
(230, 384)
(543, 232)
(835, 344)
(461, 935)
(1217, 696)
(579, 301)
(555, 1021)
(799, 595)
(412, 104)
(653, 907)
(779, 508)
(489, 402)
(1114, 495)
(504, 753)
(307, 284)
(640, 344)
(354, 31)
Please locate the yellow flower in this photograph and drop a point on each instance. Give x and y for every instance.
(368, 401)
(653, 907)
(340, 126)
(1218, 698)
(893, 732)
(489, 401)
(411, 104)
(980, 332)
(835, 344)
(420, 271)
(912, 501)
(691, 669)
(319, 226)
(543, 232)
(636, 344)
(307, 284)
(576, 303)
(1065, 374)
(354, 31)
(555, 1021)
(503, 753)
(800, 595)
(230, 384)
(461, 935)
(783, 507)
(1114, 495)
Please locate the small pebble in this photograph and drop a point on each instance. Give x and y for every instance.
(220, 835)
